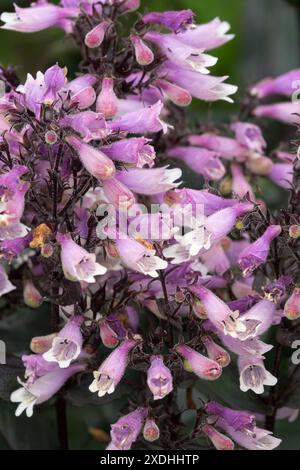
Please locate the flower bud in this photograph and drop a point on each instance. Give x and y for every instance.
(96, 36)
(151, 430)
(108, 336)
(260, 166)
(143, 53)
(84, 98)
(159, 378)
(50, 137)
(41, 344)
(216, 352)
(219, 440)
(107, 101)
(203, 367)
(292, 305)
(294, 231)
(174, 93)
(47, 250)
(32, 297)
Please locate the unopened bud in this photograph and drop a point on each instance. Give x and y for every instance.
(143, 53)
(32, 297)
(107, 101)
(219, 440)
(216, 352)
(151, 431)
(47, 250)
(174, 93)
(41, 344)
(96, 36)
(84, 98)
(294, 231)
(260, 166)
(50, 137)
(225, 186)
(108, 336)
(292, 305)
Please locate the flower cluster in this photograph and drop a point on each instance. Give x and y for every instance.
(178, 282)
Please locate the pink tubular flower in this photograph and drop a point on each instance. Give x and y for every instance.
(286, 112)
(240, 185)
(32, 297)
(95, 37)
(96, 163)
(253, 374)
(174, 20)
(150, 181)
(292, 305)
(216, 352)
(141, 121)
(90, 125)
(257, 252)
(238, 420)
(258, 319)
(77, 263)
(282, 174)
(226, 147)
(126, 430)
(42, 389)
(282, 85)
(111, 371)
(118, 193)
(207, 36)
(227, 321)
(250, 136)
(219, 440)
(159, 378)
(38, 17)
(107, 101)
(205, 368)
(151, 431)
(135, 151)
(66, 346)
(5, 285)
(143, 53)
(222, 222)
(36, 366)
(202, 161)
(138, 257)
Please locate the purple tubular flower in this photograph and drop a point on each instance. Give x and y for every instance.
(250, 136)
(174, 93)
(253, 374)
(282, 85)
(135, 151)
(118, 193)
(42, 389)
(282, 174)
(247, 347)
(204, 87)
(174, 20)
(36, 366)
(285, 112)
(257, 252)
(107, 101)
(108, 336)
(240, 185)
(260, 439)
(38, 17)
(159, 378)
(205, 368)
(150, 181)
(96, 163)
(127, 429)
(9, 249)
(207, 36)
(141, 121)
(222, 222)
(219, 440)
(138, 257)
(111, 371)
(66, 346)
(202, 161)
(215, 259)
(77, 263)
(226, 147)
(258, 319)
(238, 420)
(90, 125)
(224, 319)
